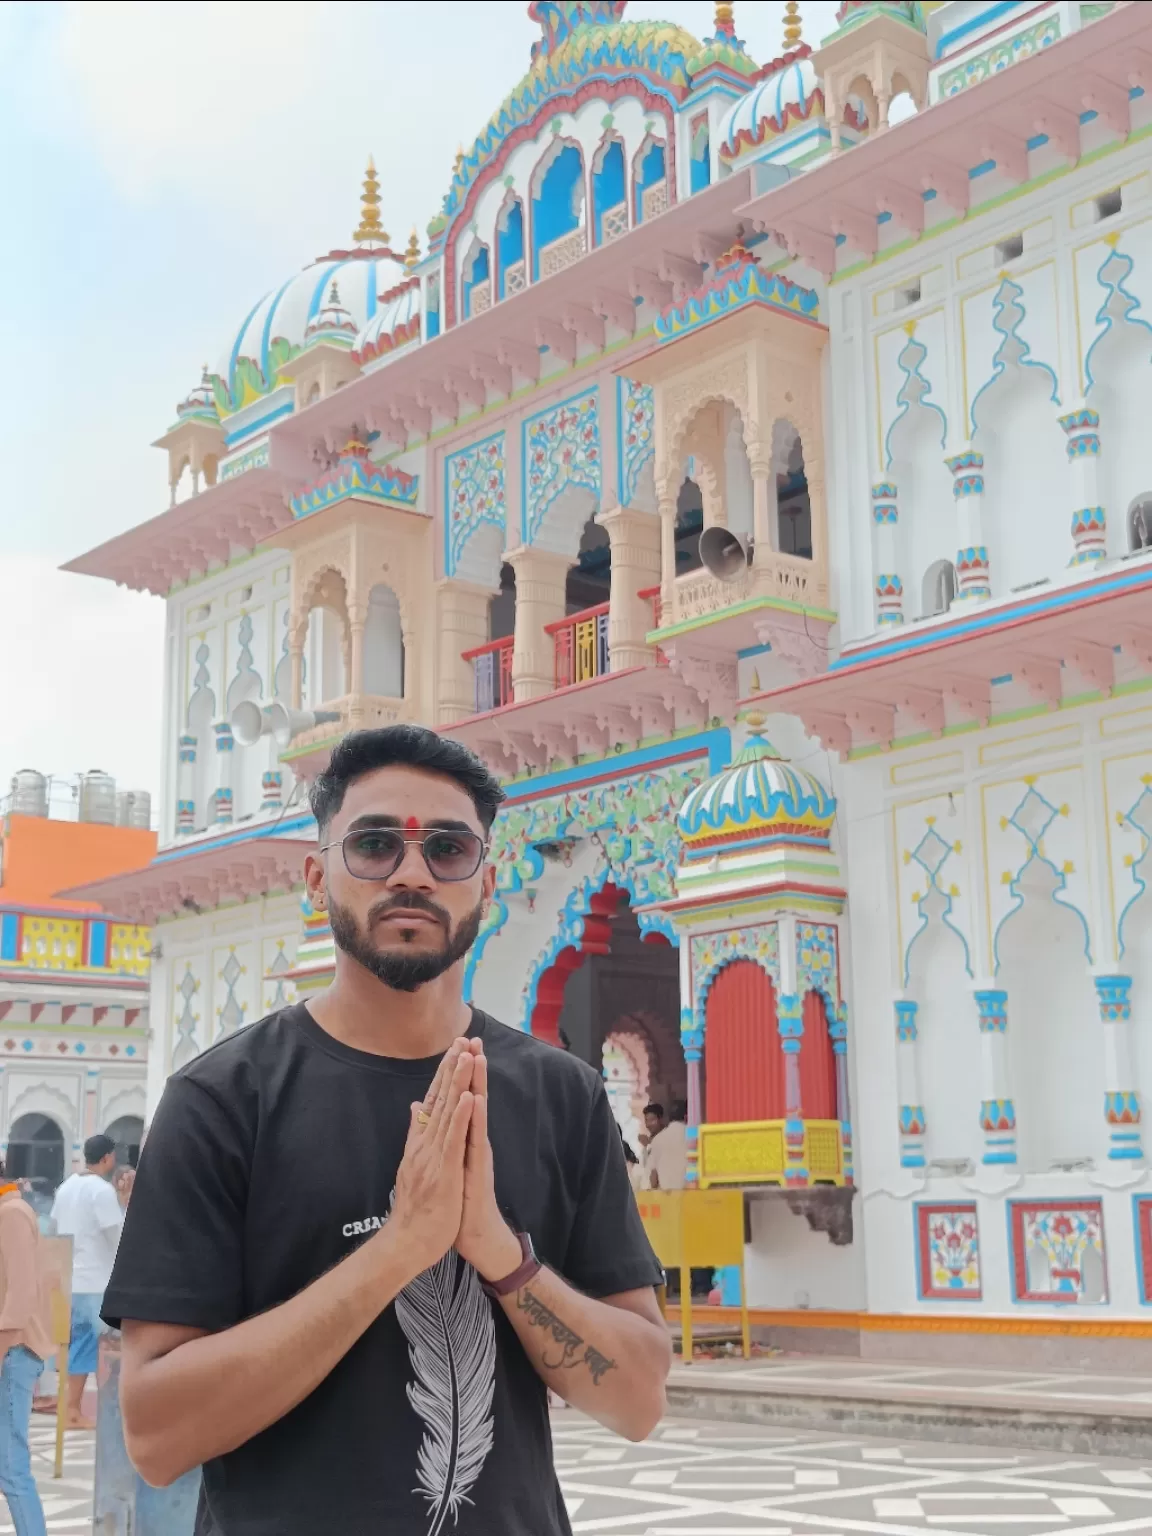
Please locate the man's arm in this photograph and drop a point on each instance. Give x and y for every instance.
(18, 1245)
(610, 1358)
(188, 1395)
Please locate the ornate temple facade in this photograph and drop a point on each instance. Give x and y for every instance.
(752, 468)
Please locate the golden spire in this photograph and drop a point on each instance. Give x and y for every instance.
(725, 26)
(793, 25)
(412, 254)
(370, 225)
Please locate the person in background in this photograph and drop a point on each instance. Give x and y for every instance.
(668, 1151)
(25, 1343)
(653, 1125)
(87, 1211)
(122, 1181)
(635, 1172)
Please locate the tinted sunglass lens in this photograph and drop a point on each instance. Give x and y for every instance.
(453, 855)
(374, 853)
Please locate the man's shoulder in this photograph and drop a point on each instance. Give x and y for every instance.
(238, 1058)
(518, 1050)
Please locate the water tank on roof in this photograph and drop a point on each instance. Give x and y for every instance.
(98, 797)
(134, 808)
(29, 793)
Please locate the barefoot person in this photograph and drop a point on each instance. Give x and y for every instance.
(373, 1352)
(86, 1210)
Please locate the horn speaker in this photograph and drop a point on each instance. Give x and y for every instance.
(724, 553)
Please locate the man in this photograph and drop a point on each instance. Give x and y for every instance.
(668, 1152)
(373, 1353)
(86, 1210)
(25, 1343)
(653, 1125)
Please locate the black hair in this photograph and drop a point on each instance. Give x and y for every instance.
(629, 1155)
(654, 1109)
(679, 1109)
(408, 746)
(96, 1148)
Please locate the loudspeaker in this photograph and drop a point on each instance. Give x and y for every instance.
(286, 724)
(724, 553)
(250, 721)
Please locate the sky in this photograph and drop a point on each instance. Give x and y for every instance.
(163, 165)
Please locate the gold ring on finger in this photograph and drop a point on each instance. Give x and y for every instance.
(422, 1118)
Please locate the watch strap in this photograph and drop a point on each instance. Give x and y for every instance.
(529, 1267)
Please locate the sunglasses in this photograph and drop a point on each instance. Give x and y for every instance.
(376, 853)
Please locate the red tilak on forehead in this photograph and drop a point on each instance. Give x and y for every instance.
(411, 825)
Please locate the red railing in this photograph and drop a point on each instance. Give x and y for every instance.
(581, 646)
(652, 595)
(492, 670)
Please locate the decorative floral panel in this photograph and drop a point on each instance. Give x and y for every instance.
(1058, 1251)
(473, 498)
(561, 452)
(635, 416)
(817, 966)
(711, 952)
(1142, 1215)
(948, 1252)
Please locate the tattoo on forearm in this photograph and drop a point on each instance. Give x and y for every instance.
(569, 1344)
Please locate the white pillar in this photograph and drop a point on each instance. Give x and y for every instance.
(462, 613)
(1121, 1099)
(912, 1120)
(540, 580)
(186, 786)
(1082, 429)
(889, 586)
(997, 1107)
(973, 578)
(634, 538)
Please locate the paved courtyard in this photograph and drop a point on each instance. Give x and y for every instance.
(67, 1503)
(730, 1480)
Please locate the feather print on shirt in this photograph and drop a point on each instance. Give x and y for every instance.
(448, 1323)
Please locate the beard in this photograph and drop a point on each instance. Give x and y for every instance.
(407, 969)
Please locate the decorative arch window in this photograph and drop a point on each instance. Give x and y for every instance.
(609, 192)
(383, 645)
(689, 526)
(649, 180)
(477, 293)
(558, 211)
(939, 591)
(1140, 524)
(510, 270)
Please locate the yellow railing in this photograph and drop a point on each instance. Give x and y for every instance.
(753, 1152)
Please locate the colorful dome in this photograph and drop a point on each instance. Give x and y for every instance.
(331, 322)
(759, 797)
(200, 402)
(395, 324)
(787, 94)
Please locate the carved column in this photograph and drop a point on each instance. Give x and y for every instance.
(634, 538)
(297, 635)
(462, 625)
(973, 578)
(272, 790)
(667, 504)
(1089, 524)
(889, 587)
(540, 579)
(997, 1107)
(912, 1121)
(220, 811)
(790, 1023)
(186, 786)
(1121, 1100)
(357, 621)
(765, 515)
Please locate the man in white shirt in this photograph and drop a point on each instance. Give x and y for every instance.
(667, 1161)
(86, 1210)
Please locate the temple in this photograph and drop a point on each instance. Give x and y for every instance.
(751, 466)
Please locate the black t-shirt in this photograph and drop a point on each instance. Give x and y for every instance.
(271, 1156)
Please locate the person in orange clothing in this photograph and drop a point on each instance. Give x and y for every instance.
(25, 1345)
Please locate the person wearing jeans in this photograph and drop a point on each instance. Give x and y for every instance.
(86, 1210)
(26, 1344)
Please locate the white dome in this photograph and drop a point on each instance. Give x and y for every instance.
(395, 324)
(786, 92)
(278, 325)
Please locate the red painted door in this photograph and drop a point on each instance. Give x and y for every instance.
(742, 1056)
(817, 1062)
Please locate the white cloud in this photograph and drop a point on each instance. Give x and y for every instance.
(81, 685)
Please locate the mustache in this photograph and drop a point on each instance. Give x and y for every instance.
(414, 902)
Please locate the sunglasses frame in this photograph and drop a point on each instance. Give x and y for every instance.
(406, 842)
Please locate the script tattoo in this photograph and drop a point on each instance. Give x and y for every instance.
(568, 1342)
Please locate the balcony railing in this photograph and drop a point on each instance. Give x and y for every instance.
(562, 253)
(515, 278)
(755, 1152)
(613, 223)
(481, 297)
(492, 671)
(652, 595)
(581, 646)
(654, 200)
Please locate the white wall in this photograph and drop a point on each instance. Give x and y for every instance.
(788, 1265)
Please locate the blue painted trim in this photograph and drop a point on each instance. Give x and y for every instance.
(1045, 1301)
(752, 650)
(240, 335)
(318, 291)
(1065, 598)
(981, 19)
(985, 168)
(266, 338)
(98, 944)
(1017, 894)
(247, 835)
(9, 935)
(787, 144)
(910, 364)
(253, 427)
(1114, 290)
(934, 1205)
(716, 743)
(1138, 878)
(1010, 292)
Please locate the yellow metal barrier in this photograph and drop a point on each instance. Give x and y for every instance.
(753, 1152)
(697, 1229)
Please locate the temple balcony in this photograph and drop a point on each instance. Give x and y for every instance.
(779, 1153)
